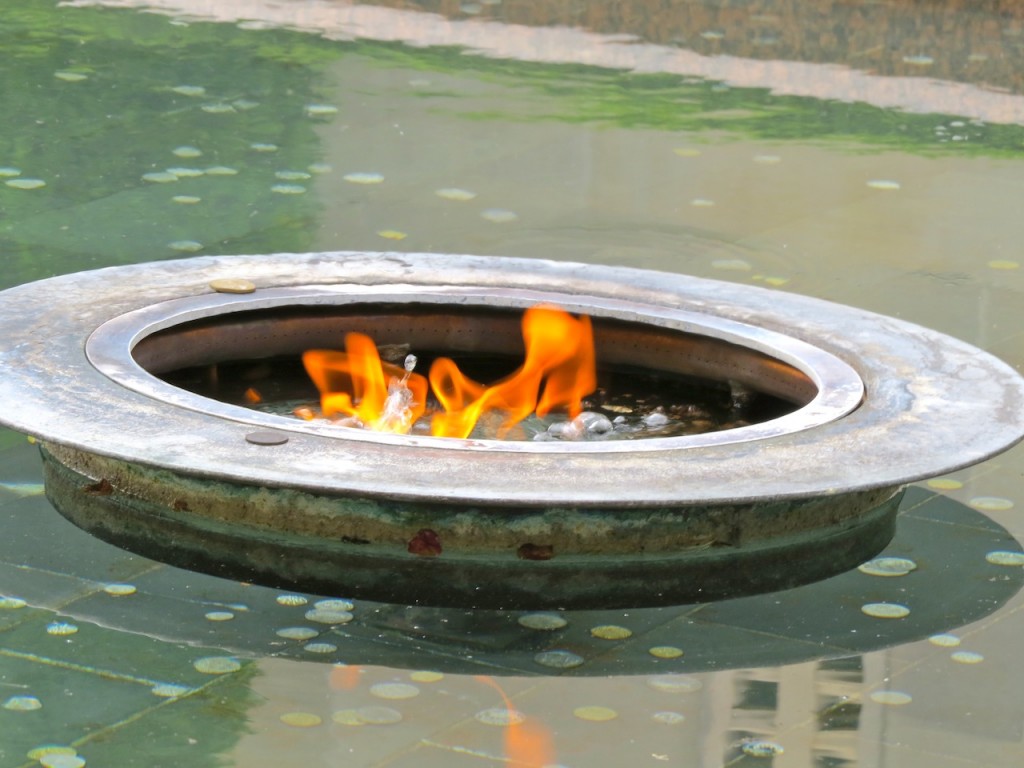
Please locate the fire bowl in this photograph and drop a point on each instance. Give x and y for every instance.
(873, 403)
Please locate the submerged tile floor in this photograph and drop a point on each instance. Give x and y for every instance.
(102, 651)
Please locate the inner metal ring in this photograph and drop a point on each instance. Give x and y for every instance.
(132, 347)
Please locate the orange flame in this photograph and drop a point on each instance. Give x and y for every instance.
(558, 371)
(527, 741)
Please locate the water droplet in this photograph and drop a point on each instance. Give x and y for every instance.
(544, 621)
(7, 172)
(288, 189)
(61, 628)
(665, 652)
(186, 199)
(1003, 264)
(219, 616)
(668, 718)
(702, 202)
(244, 104)
(62, 761)
(687, 151)
(10, 603)
(187, 151)
(883, 184)
(732, 265)
(887, 566)
(394, 690)
(499, 215)
(334, 604)
(944, 484)
(320, 647)
(767, 159)
(453, 193)
(990, 504)
(159, 177)
(261, 146)
(762, 748)
(319, 168)
(919, 61)
(232, 285)
(347, 717)
(169, 690)
(595, 713)
(500, 717)
(891, 698)
(22, 704)
(292, 600)
(221, 170)
(50, 749)
(558, 659)
(375, 715)
(301, 719)
(186, 246)
(363, 178)
(219, 108)
(426, 676)
(675, 684)
(120, 590)
(712, 34)
(321, 110)
(189, 90)
(187, 173)
(328, 616)
(25, 183)
(885, 610)
(293, 175)
(392, 234)
(216, 665)
(70, 77)
(944, 640)
(611, 632)
(1000, 557)
(967, 657)
(297, 633)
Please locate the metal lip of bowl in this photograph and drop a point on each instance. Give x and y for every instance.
(110, 349)
(921, 388)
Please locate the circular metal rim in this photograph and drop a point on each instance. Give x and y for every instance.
(109, 349)
(923, 389)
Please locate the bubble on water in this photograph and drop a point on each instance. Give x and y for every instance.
(426, 676)
(1001, 557)
(334, 604)
(944, 484)
(187, 150)
(61, 628)
(189, 90)
(595, 713)
(1003, 264)
(887, 566)
(216, 665)
(885, 610)
(25, 183)
(665, 652)
(668, 718)
(732, 265)
(454, 193)
(558, 659)
(377, 715)
(883, 184)
(297, 633)
(990, 504)
(120, 590)
(762, 748)
(392, 234)
(186, 199)
(655, 419)
(301, 719)
(292, 600)
(320, 110)
(22, 704)
(363, 178)
(293, 175)
(320, 167)
(611, 632)
(169, 690)
(7, 172)
(62, 761)
(675, 683)
(185, 246)
(219, 616)
(263, 146)
(159, 177)
(328, 616)
(221, 170)
(320, 647)
(394, 691)
(944, 640)
(500, 717)
(499, 215)
(10, 603)
(288, 189)
(219, 108)
(186, 172)
(70, 77)
(967, 657)
(891, 698)
(544, 621)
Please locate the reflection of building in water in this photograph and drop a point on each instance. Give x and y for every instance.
(978, 42)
